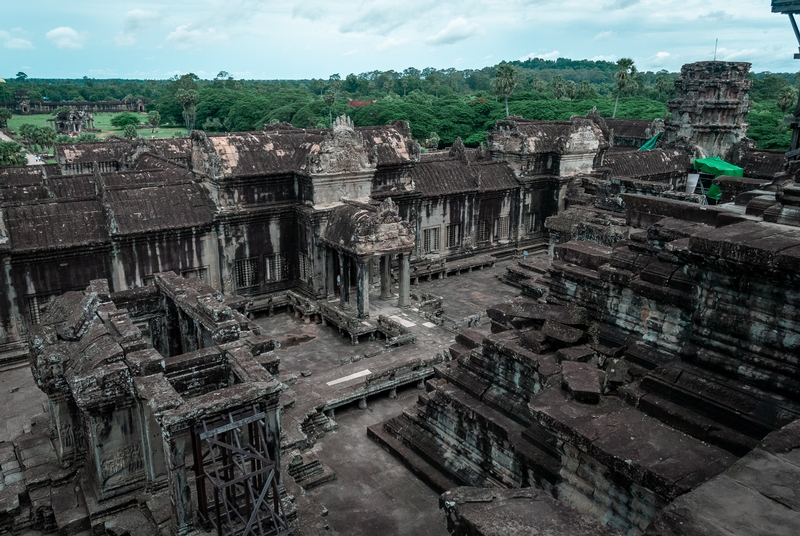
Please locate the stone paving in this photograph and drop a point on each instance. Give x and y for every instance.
(22, 404)
(373, 492)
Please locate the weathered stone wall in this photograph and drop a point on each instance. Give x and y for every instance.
(709, 109)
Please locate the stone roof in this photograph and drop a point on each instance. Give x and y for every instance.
(759, 164)
(42, 212)
(24, 184)
(163, 197)
(450, 176)
(287, 150)
(365, 230)
(86, 153)
(244, 154)
(55, 225)
(521, 136)
(392, 143)
(646, 165)
(630, 128)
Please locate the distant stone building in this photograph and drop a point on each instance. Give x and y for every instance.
(23, 105)
(71, 122)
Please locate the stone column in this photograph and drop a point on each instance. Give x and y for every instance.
(386, 277)
(344, 275)
(405, 280)
(362, 288)
(180, 492)
(330, 280)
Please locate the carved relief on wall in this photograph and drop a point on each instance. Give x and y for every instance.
(343, 150)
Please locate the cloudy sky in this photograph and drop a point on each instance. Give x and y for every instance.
(270, 39)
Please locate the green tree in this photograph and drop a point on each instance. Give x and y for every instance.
(5, 115)
(433, 141)
(11, 154)
(153, 119)
(213, 125)
(330, 99)
(318, 85)
(787, 98)
(124, 119)
(46, 137)
(86, 137)
(130, 132)
(21, 77)
(28, 132)
(558, 86)
(623, 75)
(663, 85)
(188, 99)
(61, 109)
(335, 81)
(505, 80)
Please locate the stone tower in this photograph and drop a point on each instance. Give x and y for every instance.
(709, 109)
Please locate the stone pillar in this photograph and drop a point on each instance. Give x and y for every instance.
(386, 277)
(362, 288)
(180, 492)
(344, 275)
(330, 279)
(405, 280)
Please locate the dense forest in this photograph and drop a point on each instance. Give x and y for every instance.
(439, 104)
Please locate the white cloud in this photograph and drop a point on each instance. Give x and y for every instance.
(351, 52)
(183, 37)
(12, 41)
(604, 58)
(123, 40)
(663, 55)
(381, 17)
(548, 56)
(603, 36)
(138, 19)
(456, 30)
(622, 4)
(716, 16)
(390, 43)
(66, 38)
(135, 21)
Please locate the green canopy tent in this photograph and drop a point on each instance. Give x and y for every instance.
(717, 166)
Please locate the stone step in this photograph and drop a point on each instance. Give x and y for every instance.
(727, 401)
(430, 475)
(460, 377)
(413, 434)
(687, 421)
(777, 376)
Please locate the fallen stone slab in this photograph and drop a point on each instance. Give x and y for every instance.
(499, 312)
(534, 340)
(581, 381)
(503, 512)
(575, 353)
(533, 310)
(561, 333)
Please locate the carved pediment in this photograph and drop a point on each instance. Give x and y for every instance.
(342, 151)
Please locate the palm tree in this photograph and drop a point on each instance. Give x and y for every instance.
(625, 71)
(329, 98)
(504, 81)
(188, 98)
(5, 115)
(786, 98)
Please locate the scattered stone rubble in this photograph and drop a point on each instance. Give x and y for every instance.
(645, 380)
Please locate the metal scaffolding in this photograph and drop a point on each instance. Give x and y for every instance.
(237, 487)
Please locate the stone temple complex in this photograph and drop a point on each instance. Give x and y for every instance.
(548, 331)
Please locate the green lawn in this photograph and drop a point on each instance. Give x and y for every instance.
(102, 122)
